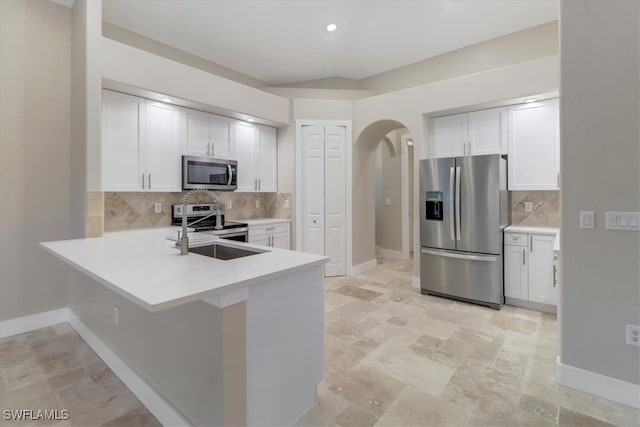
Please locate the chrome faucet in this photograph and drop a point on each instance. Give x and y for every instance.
(183, 239)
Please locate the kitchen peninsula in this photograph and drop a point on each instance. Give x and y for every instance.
(224, 342)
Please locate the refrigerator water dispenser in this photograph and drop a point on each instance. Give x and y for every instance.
(434, 206)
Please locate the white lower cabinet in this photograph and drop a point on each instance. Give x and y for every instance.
(274, 234)
(528, 268)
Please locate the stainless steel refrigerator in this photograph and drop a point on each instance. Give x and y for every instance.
(464, 207)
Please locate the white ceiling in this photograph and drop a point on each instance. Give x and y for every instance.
(286, 41)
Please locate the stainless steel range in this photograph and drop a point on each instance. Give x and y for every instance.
(237, 231)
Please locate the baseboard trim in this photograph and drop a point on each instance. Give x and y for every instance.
(415, 282)
(598, 385)
(365, 266)
(390, 253)
(155, 403)
(20, 325)
(531, 305)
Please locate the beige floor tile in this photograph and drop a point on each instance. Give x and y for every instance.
(355, 310)
(349, 330)
(366, 388)
(23, 373)
(539, 407)
(14, 350)
(430, 326)
(394, 359)
(501, 414)
(415, 408)
(569, 418)
(339, 355)
(354, 416)
(471, 344)
(457, 317)
(512, 323)
(382, 275)
(357, 292)
(428, 346)
(139, 417)
(333, 300)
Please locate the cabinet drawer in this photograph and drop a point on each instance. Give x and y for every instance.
(515, 239)
(261, 230)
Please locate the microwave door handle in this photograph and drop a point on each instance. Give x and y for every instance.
(230, 171)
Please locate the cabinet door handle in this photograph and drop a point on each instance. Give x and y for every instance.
(143, 181)
(259, 184)
(531, 243)
(149, 181)
(558, 179)
(270, 228)
(213, 149)
(256, 184)
(524, 262)
(555, 272)
(208, 149)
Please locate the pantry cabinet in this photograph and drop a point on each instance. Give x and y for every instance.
(470, 134)
(205, 134)
(534, 149)
(274, 234)
(257, 157)
(528, 269)
(140, 144)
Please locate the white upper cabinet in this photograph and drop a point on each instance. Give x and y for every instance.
(205, 134)
(268, 159)
(534, 149)
(487, 131)
(140, 145)
(162, 147)
(256, 150)
(449, 136)
(470, 134)
(123, 127)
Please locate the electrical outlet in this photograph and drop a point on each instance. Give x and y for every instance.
(229, 204)
(116, 315)
(633, 335)
(258, 204)
(158, 207)
(286, 204)
(528, 206)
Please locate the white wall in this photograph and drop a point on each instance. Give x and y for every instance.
(600, 171)
(35, 44)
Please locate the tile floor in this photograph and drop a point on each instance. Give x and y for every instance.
(398, 358)
(54, 369)
(393, 357)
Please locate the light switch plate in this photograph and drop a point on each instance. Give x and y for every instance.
(624, 221)
(587, 219)
(528, 206)
(387, 202)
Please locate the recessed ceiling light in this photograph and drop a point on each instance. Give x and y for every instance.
(169, 100)
(531, 100)
(331, 27)
(251, 120)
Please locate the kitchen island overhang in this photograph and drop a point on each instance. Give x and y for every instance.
(276, 299)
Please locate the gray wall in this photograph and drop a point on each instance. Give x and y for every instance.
(35, 47)
(600, 152)
(388, 186)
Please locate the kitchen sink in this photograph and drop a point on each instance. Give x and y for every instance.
(223, 252)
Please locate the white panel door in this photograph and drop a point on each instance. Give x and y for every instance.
(268, 164)
(222, 146)
(449, 136)
(194, 131)
(488, 131)
(516, 276)
(245, 140)
(534, 154)
(313, 191)
(541, 286)
(162, 147)
(335, 200)
(122, 141)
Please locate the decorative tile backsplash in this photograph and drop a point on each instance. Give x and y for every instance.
(546, 208)
(130, 210)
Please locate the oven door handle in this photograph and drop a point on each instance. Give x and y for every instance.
(230, 171)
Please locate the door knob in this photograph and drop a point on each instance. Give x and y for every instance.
(314, 221)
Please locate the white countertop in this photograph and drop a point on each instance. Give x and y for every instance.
(144, 267)
(263, 221)
(534, 230)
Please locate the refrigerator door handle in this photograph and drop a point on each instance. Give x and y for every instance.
(451, 203)
(458, 215)
(458, 255)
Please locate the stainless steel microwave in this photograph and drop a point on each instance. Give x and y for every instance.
(208, 173)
